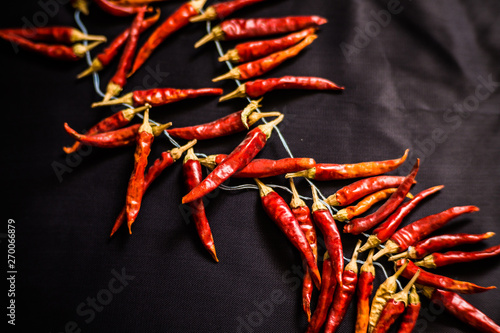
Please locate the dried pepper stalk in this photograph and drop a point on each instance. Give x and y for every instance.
(115, 9)
(365, 289)
(81, 5)
(361, 207)
(222, 9)
(57, 34)
(410, 315)
(436, 260)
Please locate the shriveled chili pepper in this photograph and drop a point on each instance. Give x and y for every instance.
(277, 209)
(166, 159)
(436, 260)
(159, 96)
(442, 282)
(361, 188)
(461, 309)
(192, 176)
(410, 315)
(222, 9)
(343, 295)
(437, 243)
(249, 51)
(384, 292)
(394, 307)
(258, 88)
(115, 9)
(174, 22)
(362, 206)
(384, 231)
(56, 34)
(324, 171)
(260, 66)
(237, 160)
(416, 231)
(303, 214)
(362, 224)
(323, 219)
(104, 58)
(364, 291)
(256, 27)
(328, 284)
(81, 5)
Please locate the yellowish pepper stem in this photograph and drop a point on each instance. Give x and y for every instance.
(177, 152)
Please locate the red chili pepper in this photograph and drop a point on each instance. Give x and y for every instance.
(222, 9)
(258, 88)
(384, 231)
(174, 22)
(57, 34)
(417, 230)
(277, 209)
(159, 96)
(410, 315)
(362, 206)
(365, 289)
(115, 9)
(365, 223)
(325, 222)
(461, 309)
(343, 295)
(237, 160)
(256, 27)
(249, 51)
(166, 159)
(261, 66)
(436, 260)
(81, 5)
(441, 282)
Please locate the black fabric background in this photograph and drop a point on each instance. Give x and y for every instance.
(402, 86)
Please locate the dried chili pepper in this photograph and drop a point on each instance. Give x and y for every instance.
(323, 219)
(222, 9)
(237, 160)
(159, 96)
(357, 190)
(166, 159)
(436, 260)
(365, 289)
(277, 209)
(81, 5)
(461, 309)
(255, 27)
(57, 34)
(362, 224)
(192, 176)
(440, 281)
(258, 88)
(414, 232)
(410, 315)
(249, 51)
(384, 231)
(361, 207)
(174, 22)
(394, 307)
(115, 9)
(343, 295)
(324, 171)
(260, 66)
(437, 243)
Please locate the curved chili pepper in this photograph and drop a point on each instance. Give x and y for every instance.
(326, 224)
(343, 295)
(222, 9)
(166, 159)
(237, 160)
(361, 207)
(410, 315)
(441, 282)
(365, 223)
(323, 171)
(384, 231)
(249, 51)
(159, 96)
(258, 88)
(365, 289)
(256, 27)
(115, 9)
(81, 5)
(174, 22)
(277, 209)
(436, 260)
(361, 188)
(461, 309)
(437, 243)
(261, 66)
(414, 232)
(57, 34)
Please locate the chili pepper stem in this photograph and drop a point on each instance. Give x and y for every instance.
(231, 55)
(372, 242)
(77, 36)
(399, 256)
(390, 247)
(249, 110)
(209, 15)
(157, 130)
(82, 5)
(130, 113)
(352, 265)
(146, 126)
(263, 189)
(80, 49)
(402, 296)
(177, 152)
(94, 67)
(125, 99)
(268, 128)
(342, 215)
(238, 93)
(427, 262)
(112, 90)
(233, 74)
(296, 200)
(309, 173)
(317, 205)
(215, 34)
(332, 200)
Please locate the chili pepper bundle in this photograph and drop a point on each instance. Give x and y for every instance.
(348, 213)
(81, 5)
(277, 209)
(436, 260)
(461, 309)
(239, 28)
(115, 9)
(55, 34)
(410, 315)
(384, 231)
(252, 50)
(364, 291)
(261, 66)
(254, 141)
(365, 223)
(222, 9)
(159, 96)
(343, 295)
